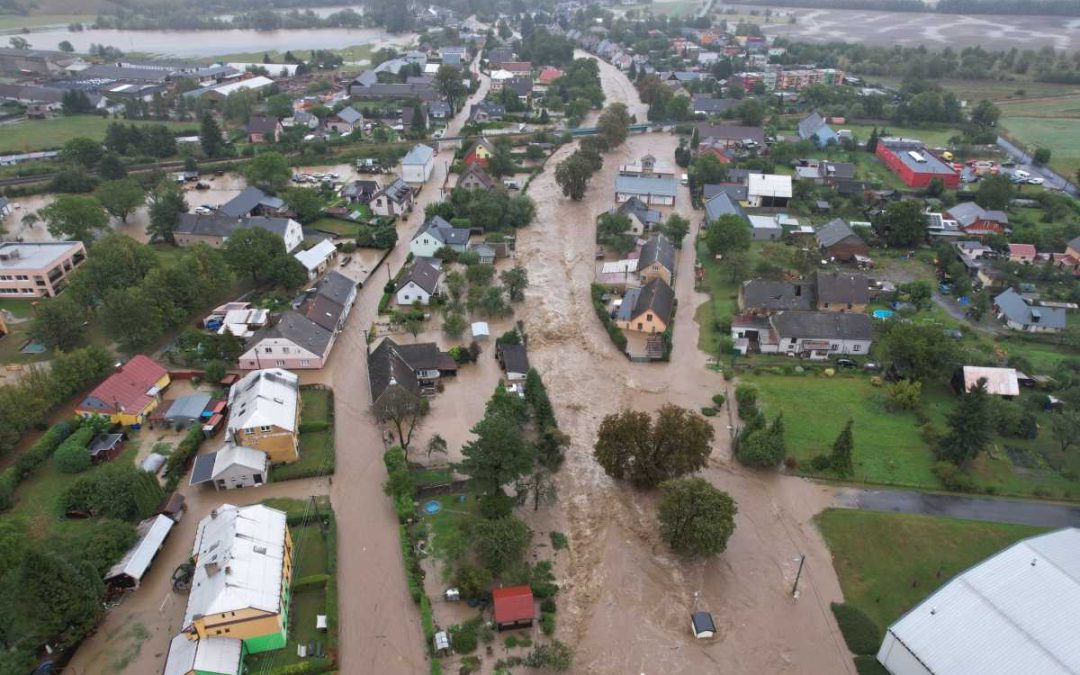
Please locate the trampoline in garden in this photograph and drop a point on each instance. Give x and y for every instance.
(882, 313)
(432, 507)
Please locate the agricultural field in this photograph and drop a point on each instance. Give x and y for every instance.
(15, 22)
(888, 562)
(34, 135)
(931, 136)
(1057, 133)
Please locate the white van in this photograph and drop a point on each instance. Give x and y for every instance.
(684, 179)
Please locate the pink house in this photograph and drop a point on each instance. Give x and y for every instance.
(1022, 253)
(38, 270)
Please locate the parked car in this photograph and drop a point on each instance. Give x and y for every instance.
(846, 363)
(1035, 180)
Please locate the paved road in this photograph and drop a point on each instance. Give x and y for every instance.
(1044, 514)
(1052, 178)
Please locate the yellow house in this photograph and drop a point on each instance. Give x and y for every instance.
(264, 413)
(243, 573)
(647, 309)
(129, 395)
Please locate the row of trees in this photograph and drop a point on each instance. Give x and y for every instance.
(573, 173)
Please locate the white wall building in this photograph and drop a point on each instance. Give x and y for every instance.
(416, 167)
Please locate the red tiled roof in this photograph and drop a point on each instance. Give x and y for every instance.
(126, 390)
(549, 75)
(513, 604)
(1025, 250)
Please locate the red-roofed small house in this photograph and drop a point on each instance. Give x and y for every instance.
(129, 395)
(514, 607)
(1022, 253)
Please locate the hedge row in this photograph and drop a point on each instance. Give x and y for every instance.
(331, 584)
(310, 427)
(176, 465)
(310, 581)
(613, 331)
(33, 458)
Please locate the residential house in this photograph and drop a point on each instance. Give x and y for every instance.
(414, 115)
(765, 228)
(731, 136)
(264, 414)
(652, 190)
(434, 234)
(514, 360)
(418, 284)
(417, 165)
(1070, 259)
(842, 292)
(814, 128)
(485, 111)
(484, 252)
(915, 165)
(366, 87)
(647, 309)
(242, 580)
(825, 172)
(344, 121)
(475, 178)
(393, 199)
(768, 190)
(642, 219)
(317, 259)
(648, 166)
(480, 153)
(251, 202)
(262, 129)
(334, 298)
(440, 110)
(1002, 382)
(498, 56)
(521, 86)
(498, 78)
(827, 292)
(513, 607)
(360, 191)
(718, 149)
(417, 368)
(977, 221)
(839, 241)
(815, 335)
(546, 78)
(38, 269)
(721, 204)
(657, 260)
(293, 341)
(1019, 313)
(1022, 253)
(215, 230)
(231, 467)
(129, 395)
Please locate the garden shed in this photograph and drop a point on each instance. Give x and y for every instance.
(105, 447)
(127, 573)
(701, 623)
(513, 607)
(187, 410)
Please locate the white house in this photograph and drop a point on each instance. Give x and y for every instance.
(766, 189)
(392, 200)
(1015, 612)
(233, 466)
(316, 259)
(436, 233)
(416, 167)
(650, 190)
(816, 335)
(417, 284)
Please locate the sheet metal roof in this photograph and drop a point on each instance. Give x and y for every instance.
(239, 555)
(769, 185)
(188, 407)
(209, 655)
(137, 560)
(420, 154)
(316, 255)
(264, 398)
(1015, 612)
(999, 381)
(661, 186)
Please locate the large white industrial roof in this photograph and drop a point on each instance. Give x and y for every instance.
(209, 655)
(136, 561)
(239, 555)
(264, 398)
(1016, 612)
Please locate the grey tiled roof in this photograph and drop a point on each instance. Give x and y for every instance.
(823, 325)
(657, 249)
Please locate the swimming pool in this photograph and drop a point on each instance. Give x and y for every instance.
(882, 313)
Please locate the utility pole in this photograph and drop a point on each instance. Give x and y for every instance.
(795, 588)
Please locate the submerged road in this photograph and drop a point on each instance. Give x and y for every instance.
(1020, 512)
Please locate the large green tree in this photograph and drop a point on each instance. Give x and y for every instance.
(970, 427)
(994, 192)
(917, 351)
(500, 454)
(74, 217)
(727, 234)
(120, 197)
(269, 171)
(612, 124)
(167, 203)
(115, 261)
(251, 251)
(81, 152)
(632, 446)
(902, 224)
(59, 323)
(696, 519)
(305, 202)
(499, 543)
(210, 138)
(572, 174)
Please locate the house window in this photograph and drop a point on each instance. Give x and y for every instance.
(648, 317)
(856, 348)
(264, 428)
(284, 350)
(639, 326)
(280, 364)
(305, 363)
(406, 297)
(268, 350)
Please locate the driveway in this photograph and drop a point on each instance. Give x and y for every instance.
(1021, 512)
(1025, 162)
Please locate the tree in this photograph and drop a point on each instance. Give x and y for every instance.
(902, 224)
(436, 445)
(994, 192)
(969, 427)
(117, 261)
(499, 455)
(454, 325)
(499, 543)
(696, 519)
(121, 197)
(706, 169)
(538, 487)
(65, 46)
(631, 446)
(840, 460)
(59, 323)
(572, 174)
(286, 272)
(82, 152)
(919, 293)
(1063, 427)
(448, 83)
(110, 167)
(501, 162)
(516, 280)
(166, 205)
(401, 408)
(74, 217)
(751, 112)
(613, 229)
(675, 228)
(131, 318)
(984, 116)
(727, 234)
(251, 251)
(759, 446)
(305, 202)
(1041, 156)
(279, 106)
(213, 145)
(917, 351)
(269, 171)
(612, 124)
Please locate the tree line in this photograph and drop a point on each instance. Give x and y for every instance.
(1021, 7)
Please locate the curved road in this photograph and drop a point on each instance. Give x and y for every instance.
(1021, 512)
(1025, 162)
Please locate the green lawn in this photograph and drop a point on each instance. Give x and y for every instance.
(721, 303)
(888, 448)
(315, 405)
(310, 550)
(443, 524)
(887, 562)
(19, 308)
(931, 136)
(32, 135)
(316, 446)
(18, 333)
(1057, 133)
(14, 22)
(342, 228)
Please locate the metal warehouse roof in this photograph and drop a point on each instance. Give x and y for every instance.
(1016, 612)
(137, 560)
(209, 655)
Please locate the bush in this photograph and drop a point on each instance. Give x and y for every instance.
(119, 491)
(493, 507)
(953, 478)
(708, 412)
(32, 459)
(613, 331)
(868, 665)
(746, 400)
(903, 395)
(176, 465)
(861, 634)
(820, 463)
(471, 581)
(463, 637)
(556, 656)
(718, 401)
(547, 605)
(559, 541)
(311, 427)
(310, 581)
(547, 623)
